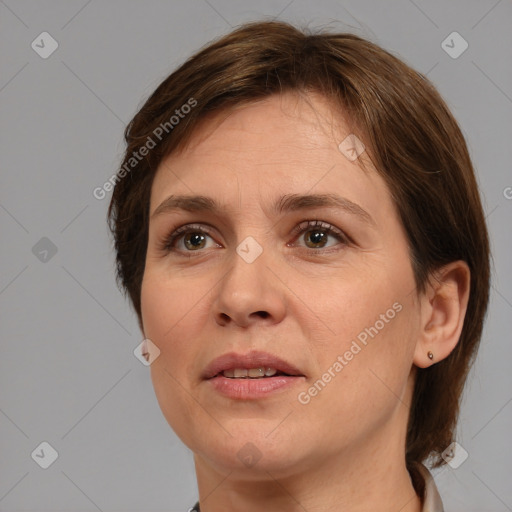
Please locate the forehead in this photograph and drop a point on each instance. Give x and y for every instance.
(284, 143)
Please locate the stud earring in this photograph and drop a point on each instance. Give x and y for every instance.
(430, 355)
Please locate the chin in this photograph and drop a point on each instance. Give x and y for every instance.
(249, 463)
(249, 452)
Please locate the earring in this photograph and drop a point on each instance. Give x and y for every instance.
(430, 355)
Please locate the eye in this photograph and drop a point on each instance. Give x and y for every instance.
(188, 238)
(317, 234)
(192, 238)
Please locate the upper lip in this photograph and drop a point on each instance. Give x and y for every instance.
(253, 359)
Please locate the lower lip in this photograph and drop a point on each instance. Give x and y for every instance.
(246, 389)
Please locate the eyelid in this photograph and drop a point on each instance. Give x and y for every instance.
(168, 240)
(312, 224)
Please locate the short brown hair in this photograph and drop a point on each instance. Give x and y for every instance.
(414, 142)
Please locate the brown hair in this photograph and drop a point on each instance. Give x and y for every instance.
(414, 142)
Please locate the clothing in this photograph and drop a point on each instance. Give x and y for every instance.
(431, 499)
(423, 483)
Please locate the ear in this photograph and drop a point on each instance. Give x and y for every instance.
(443, 308)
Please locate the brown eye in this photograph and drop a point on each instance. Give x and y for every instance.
(187, 239)
(316, 238)
(194, 240)
(315, 234)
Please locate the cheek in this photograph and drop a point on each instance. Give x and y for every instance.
(155, 307)
(168, 315)
(371, 352)
(363, 305)
(364, 372)
(167, 323)
(165, 306)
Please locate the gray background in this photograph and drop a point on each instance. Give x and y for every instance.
(68, 375)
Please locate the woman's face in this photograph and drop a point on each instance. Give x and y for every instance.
(336, 300)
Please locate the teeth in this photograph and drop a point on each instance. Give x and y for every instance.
(256, 372)
(253, 373)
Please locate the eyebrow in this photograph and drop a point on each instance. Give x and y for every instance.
(286, 203)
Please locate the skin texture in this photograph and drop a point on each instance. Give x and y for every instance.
(345, 448)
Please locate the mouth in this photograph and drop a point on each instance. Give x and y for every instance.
(251, 373)
(251, 376)
(253, 365)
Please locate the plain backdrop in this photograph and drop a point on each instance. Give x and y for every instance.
(68, 375)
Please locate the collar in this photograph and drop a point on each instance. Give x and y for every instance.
(431, 499)
(424, 484)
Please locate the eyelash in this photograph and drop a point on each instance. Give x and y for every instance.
(167, 244)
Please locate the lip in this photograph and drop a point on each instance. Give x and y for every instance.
(253, 359)
(247, 388)
(252, 389)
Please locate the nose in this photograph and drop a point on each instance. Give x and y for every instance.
(249, 293)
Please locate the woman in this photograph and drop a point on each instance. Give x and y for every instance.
(299, 230)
